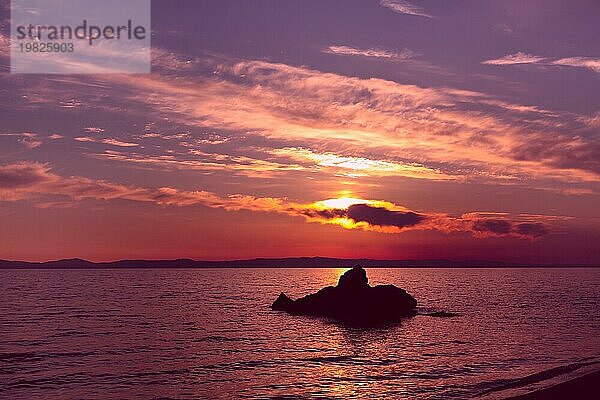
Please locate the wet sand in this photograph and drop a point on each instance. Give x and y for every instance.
(584, 387)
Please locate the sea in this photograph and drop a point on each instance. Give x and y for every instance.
(210, 334)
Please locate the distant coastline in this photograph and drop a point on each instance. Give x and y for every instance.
(291, 262)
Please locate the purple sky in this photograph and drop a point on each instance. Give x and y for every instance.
(384, 129)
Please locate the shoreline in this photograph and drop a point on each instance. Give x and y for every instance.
(577, 388)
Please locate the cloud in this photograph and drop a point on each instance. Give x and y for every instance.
(531, 229)
(36, 182)
(445, 126)
(30, 143)
(590, 63)
(104, 57)
(22, 175)
(374, 52)
(516, 58)
(267, 162)
(580, 62)
(109, 141)
(497, 226)
(562, 152)
(94, 130)
(27, 139)
(4, 45)
(360, 166)
(201, 161)
(118, 143)
(404, 7)
(501, 227)
(592, 121)
(84, 139)
(363, 216)
(380, 216)
(385, 217)
(30, 180)
(353, 121)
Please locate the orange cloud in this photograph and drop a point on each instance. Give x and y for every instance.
(203, 161)
(361, 166)
(461, 132)
(448, 132)
(386, 217)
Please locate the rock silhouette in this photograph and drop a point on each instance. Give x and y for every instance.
(353, 300)
(442, 314)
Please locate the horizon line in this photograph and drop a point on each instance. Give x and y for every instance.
(308, 261)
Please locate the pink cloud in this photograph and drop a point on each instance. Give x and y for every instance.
(404, 7)
(373, 53)
(431, 125)
(516, 58)
(459, 133)
(580, 62)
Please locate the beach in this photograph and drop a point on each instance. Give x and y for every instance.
(584, 387)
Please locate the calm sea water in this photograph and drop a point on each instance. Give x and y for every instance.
(183, 334)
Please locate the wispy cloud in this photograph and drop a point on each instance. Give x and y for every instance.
(361, 166)
(85, 139)
(109, 141)
(432, 125)
(371, 52)
(197, 160)
(516, 58)
(590, 63)
(30, 143)
(93, 129)
(27, 139)
(118, 143)
(580, 62)
(592, 121)
(268, 162)
(427, 133)
(404, 7)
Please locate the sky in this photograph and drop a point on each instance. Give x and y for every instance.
(462, 130)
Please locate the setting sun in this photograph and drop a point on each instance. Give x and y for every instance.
(341, 203)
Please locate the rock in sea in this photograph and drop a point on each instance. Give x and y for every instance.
(353, 300)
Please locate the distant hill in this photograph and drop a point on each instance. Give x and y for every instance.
(297, 262)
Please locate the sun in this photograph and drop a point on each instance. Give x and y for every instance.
(341, 203)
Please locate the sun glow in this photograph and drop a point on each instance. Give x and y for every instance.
(346, 223)
(341, 203)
